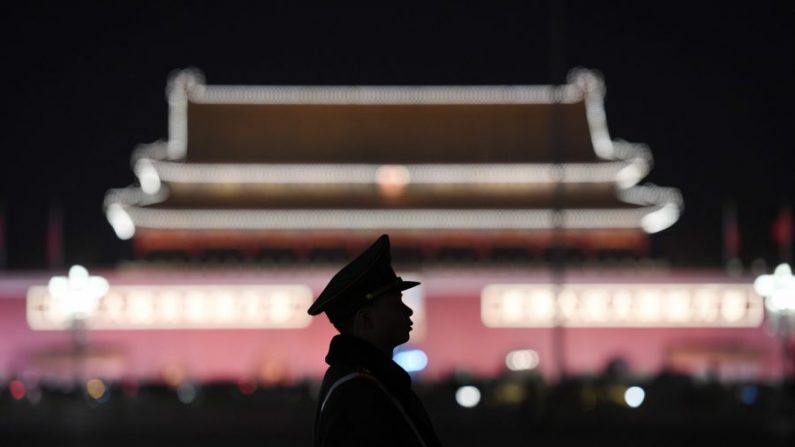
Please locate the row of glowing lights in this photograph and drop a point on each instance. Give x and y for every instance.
(78, 295)
(82, 296)
(512, 305)
(152, 173)
(95, 389)
(193, 307)
(467, 396)
(392, 95)
(190, 84)
(126, 218)
(276, 306)
(412, 360)
(98, 391)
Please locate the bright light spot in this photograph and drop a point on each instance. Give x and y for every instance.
(661, 219)
(252, 305)
(634, 396)
(595, 305)
(121, 222)
(95, 388)
(186, 392)
(173, 375)
(280, 308)
(78, 293)
(196, 308)
(622, 305)
(733, 305)
(521, 360)
(542, 304)
(170, 306)
(467, 396)
(678, 306)
(568, 304)
(631, 174)
(225, 306)
(392, 179)
(513, 306)
(649, 304)
(78, 276)
(18, 389)
(273, 372)
(412, 360)
(147, 176)
(706, 302)
(140, 307)
(778, 289)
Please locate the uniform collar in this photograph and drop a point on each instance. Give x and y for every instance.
(352, 351)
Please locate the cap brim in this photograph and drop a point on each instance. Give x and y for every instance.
(318, 306)
(408, 284)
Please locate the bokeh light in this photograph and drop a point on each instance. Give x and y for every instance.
(96, 389)
(521, 360)
(467, 396)
(17, 389)
(634, 396)
(412, 360)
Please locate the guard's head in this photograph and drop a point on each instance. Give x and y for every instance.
(359, 284)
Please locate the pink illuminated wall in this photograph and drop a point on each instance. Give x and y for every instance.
(454, 339)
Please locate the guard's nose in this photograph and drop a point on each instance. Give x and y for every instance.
(408, 310)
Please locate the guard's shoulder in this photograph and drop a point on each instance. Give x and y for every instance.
(358, 389)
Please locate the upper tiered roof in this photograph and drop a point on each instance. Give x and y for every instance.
(290, 159)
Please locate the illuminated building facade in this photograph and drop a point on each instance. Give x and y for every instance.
(251, 169)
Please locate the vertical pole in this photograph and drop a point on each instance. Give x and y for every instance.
(557, 66)
(79, 344)
(785, 330)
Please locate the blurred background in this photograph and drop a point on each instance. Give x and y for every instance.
(210, 167)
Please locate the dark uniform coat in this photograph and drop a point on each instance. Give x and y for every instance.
(366, 400)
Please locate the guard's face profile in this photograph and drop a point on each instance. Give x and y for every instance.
(364, 299)
(386, 323)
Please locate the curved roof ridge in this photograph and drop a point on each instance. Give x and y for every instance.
(190, 85)
(591, 83)
(669, 201)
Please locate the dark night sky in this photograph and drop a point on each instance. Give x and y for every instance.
(709, 89)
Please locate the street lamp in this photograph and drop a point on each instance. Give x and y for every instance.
(78, 296)
(778, 290)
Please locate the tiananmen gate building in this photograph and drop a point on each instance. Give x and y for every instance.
(524, 219)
